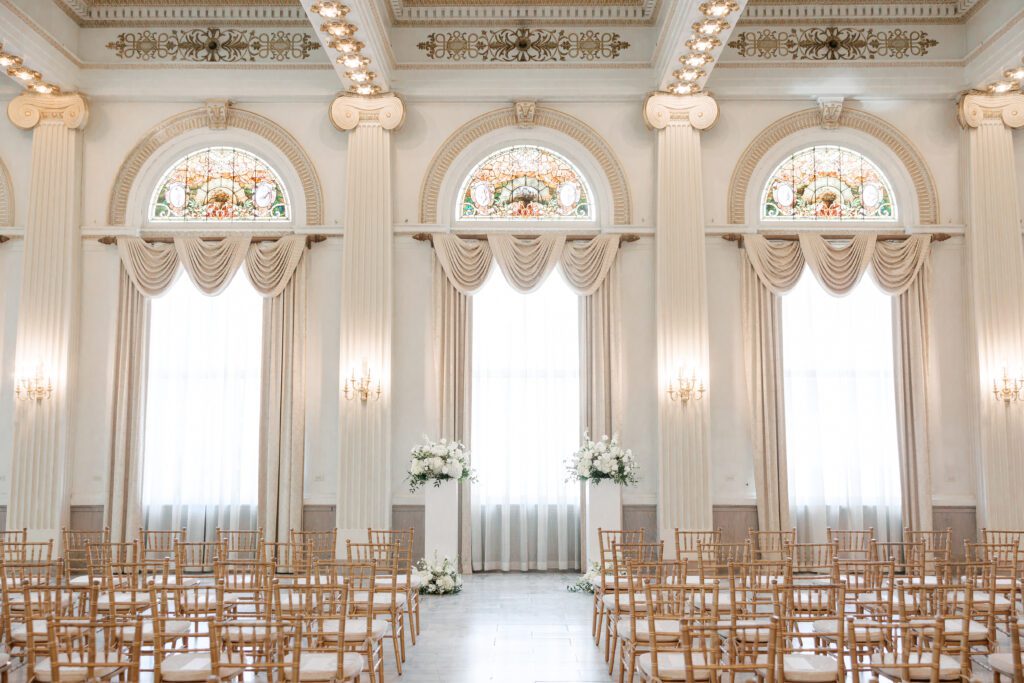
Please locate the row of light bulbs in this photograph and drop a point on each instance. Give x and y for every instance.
(1012, 79)
(343, 39)
(701, 44)
(30, 78)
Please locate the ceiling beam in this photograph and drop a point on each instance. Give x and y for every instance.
(23, 36)
(372, 32)
(676, 29)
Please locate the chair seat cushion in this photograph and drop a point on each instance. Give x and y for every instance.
(323, 666)
(809, 668)
(1002, 662)
(191, 666)
(865, 633)
(379, 599)
(666, 630)
(672, 666)
(71, 674)
(355, 630)
(171, 628)
(136, 598)
(5, 660)
(748, 631)
(402, 580)
(609, 600)
(949, 668)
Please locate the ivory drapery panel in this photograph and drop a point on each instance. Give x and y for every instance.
(276, 270)
(900, 268)
(461, 268)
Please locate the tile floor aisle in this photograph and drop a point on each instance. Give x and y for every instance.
(505, 628)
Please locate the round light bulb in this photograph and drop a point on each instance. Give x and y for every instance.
(684, 88)
(346, 45)
(365, 89)
(44, 89)
(696, 59)
(360, 76)
(7, 60)
(329, 9)
(1001, 87)
(339, 29)
(710, 27)
(353, 60)
(1015, 74)
(701, 43)
(718, 8)
(689, 75)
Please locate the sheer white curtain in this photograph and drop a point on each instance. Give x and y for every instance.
(525, 422)
(840, 407)
(201, 452)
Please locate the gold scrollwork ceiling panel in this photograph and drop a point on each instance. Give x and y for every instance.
(832, 43)
(523, 45)
(205, 45)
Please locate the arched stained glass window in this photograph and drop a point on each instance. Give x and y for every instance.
(828, 183)
(525, 183)
(220, 184)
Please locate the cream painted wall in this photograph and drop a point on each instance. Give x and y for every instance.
(115, 127)
(10, 289)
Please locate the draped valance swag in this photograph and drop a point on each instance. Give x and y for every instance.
(276, 270)
(901, 269)
(462, 267)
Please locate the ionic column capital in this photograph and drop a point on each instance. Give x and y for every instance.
(973, 109)
(347, 111)
(662, 109)
(29, 110)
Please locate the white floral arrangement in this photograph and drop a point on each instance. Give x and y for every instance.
(438, 462)
(588, 582)
(604, 459)
(439, 577)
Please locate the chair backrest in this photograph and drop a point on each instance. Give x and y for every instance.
(908, 557)
(241, 545)
(156, 546)
(324, 629)
(770, 545)
(324, 544)
(115, 566)
(713, 559)
(901, 651)
(291, 560)
(14, 536)
(868, 586)
(90, 650)
(854, 544)
(402, 540)
(808, 608)
(999, 536)
(1004, 557)
(938, 545)
(75, 560)
(258, 647)
(197, 558)
(752, 586)
(811, 558)
(727, 650)
(687, 542)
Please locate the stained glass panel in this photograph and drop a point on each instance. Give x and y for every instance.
(220, 184)
(828, 183)
(525, 183)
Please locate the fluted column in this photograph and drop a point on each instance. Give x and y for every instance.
(997, 288)
(364, 472)
(48, 311)
(684, 477)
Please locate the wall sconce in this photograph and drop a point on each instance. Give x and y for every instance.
(683, 388)
(1008, 389)
(34, 388)
(362, 387)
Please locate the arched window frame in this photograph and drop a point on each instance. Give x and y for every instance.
(468, 182)
(152, 172)
(881, 155)
(271, 172)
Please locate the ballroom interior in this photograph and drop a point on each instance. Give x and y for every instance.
(506, 298)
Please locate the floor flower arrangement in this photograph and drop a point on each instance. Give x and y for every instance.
(440, 577)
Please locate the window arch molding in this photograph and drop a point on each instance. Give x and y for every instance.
(902, 186)
(868, 134)
(473, 141)
(450, 194)
(6, 197)
(191, 131)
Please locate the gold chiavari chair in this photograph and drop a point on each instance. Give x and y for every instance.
(908, 559)
(91, 650)
(938, 546)
(407, 577)
(157, 549)
(324, 544)
(76, 566)
(241, 545)
(607, 579)
(803, 653)
(616, 598)
(686, 546)
(389, 600)
(116, 569)
(244, 584)
(851, 544)
(665, 634)
(633, 628)
(364, 633)
(292, 561)
(770, 545)
(1005, 559)
(1010, 663)
(713, 560)
(259, 648)
(31, 564)
(14, 536)
(1001, 536)
(868, 585)
(319, 652)
(811, 560)
(182, 651)
(906, 652)
(26, 629)
(713, 652)
(752, 588)
(195, 560)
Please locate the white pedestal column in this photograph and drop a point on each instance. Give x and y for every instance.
(441, 527)
(364, 471)
(997, 287)
(48, 312)
(604, 511)
(684, 476)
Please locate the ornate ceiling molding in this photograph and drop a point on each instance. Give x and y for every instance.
(152, 13)
(6, 197)
(882, 130)
(194, 119)
(540, 12)
(797, 12)
(508, 118)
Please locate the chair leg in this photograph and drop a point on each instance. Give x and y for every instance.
(408, 609)
(400, 617)
(394, 642)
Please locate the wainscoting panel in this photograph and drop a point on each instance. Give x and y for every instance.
(411, 517)
(963, 520)
(644, 517)
(734, 521)
(86, 518)
(3, 516)
(318, 517)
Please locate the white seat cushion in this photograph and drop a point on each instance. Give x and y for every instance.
(864, 633)
(610, 581)
(402, 580)
(1002, 662)
(665, 629)
(949, 668)
(71, 674)
(672, 666)
(808, 668)
(19, 634)
(380, 600)
(323, 666)
(136, 598)
(5, 660)
(610, 599)
(975, 631)
(171, 628)
(191, 666)
(749, 633)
